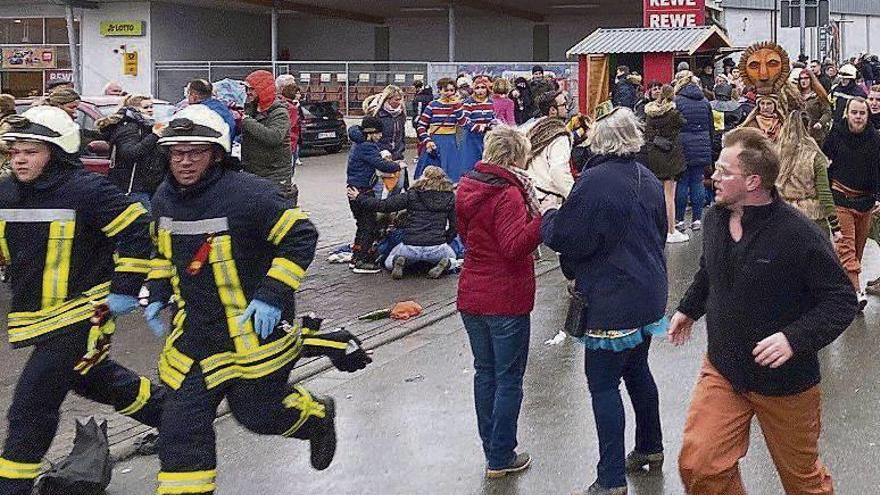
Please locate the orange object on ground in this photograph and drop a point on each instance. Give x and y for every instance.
(406, 310)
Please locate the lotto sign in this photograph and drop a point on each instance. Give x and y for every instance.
(674, 13)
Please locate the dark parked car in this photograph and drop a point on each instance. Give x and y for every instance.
(96, 156)
(322, 127)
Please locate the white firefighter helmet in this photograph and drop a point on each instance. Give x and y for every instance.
(848, 71)
(45, 124)
(197, 124)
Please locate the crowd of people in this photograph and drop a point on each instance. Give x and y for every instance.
(504, 166)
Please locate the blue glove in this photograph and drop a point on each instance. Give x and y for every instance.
(120, 304)
(266, 317)
(151, 313)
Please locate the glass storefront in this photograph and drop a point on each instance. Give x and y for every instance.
(35, 51)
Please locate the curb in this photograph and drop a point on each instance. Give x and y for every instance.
(124, 449)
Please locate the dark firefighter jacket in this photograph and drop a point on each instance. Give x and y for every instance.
(58, 236)
(222, 242)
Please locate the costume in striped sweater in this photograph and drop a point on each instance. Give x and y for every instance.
(479, 115)
(438, 124)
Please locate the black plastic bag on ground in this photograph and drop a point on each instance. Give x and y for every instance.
(87, 469)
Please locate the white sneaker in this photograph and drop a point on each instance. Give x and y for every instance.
(863, 300)
(696, 225)
(680, 226)
(677, 237)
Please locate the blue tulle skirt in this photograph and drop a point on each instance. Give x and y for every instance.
(446, 157)
(471, 151)
(622, 340)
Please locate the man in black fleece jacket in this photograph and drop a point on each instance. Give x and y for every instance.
(774, 294)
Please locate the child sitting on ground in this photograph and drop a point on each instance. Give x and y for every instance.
(364, 160)
(429, 226)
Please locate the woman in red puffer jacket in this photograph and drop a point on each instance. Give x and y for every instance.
(500, 226)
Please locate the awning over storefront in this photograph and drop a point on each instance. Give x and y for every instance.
(650, 40)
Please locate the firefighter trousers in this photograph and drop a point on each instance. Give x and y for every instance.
(46, 379)
(266, 406)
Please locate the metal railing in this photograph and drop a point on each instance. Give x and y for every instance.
(347, 83)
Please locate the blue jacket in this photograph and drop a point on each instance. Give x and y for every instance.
(610, 234)
(696, 135)
(625, 94)
(364, 159)
(223, 110)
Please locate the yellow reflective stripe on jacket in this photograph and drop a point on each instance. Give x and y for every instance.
(141, 400)
(286, 272)
(24, 325)
(173, 364)
(231, 293)
(188, 482)
(124, 219)
(302, 401)
(57, 268)
(226, 366)
(163, 241)
(160, 268)
(19, 470)
(332, 344)
(284, 224)
(133, 265)
(4, 246)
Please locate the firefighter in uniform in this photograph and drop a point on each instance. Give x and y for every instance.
(59, 229)
(232, 251)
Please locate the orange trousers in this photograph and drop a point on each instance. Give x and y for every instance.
(716, 437)
(855, 227)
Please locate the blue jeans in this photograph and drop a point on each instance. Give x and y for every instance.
(604, 370)
(431, 254)
(690, 185)
(500, 345)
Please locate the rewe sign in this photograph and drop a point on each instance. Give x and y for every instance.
(674, 13)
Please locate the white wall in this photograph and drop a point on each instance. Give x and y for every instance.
(184, 32)
(854, 34)
(100, 65)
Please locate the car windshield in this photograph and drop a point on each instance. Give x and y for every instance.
(320, 110)
(163, 112)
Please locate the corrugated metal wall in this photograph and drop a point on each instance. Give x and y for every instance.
(837, 6)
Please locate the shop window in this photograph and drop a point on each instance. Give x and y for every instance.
(23, 84)
(56, 31)
(21, 31)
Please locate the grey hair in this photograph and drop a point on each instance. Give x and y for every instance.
(506, 146)
(620, 133)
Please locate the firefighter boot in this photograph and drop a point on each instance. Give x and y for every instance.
(323, 438)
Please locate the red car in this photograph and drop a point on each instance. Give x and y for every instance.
(96, 156)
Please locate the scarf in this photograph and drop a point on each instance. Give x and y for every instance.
(532, 203)
(394, 112)
(769, 125)
(542, 134)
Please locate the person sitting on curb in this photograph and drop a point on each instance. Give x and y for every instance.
(430, 224)
(364, 159)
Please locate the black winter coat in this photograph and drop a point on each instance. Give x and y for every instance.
(625, 94)
(664, 156)
(420, 101)
(135, 151)
(430, 215)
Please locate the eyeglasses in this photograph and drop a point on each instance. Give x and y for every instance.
(191, 155)
(723, 172)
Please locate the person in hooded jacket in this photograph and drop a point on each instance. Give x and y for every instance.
(364, 160)
(137, 167)
(524, 104)
(696, 140)
(626, 91)
(77, 251)
(663, 153)
(265, 134)
(429, 224)
(499, 221)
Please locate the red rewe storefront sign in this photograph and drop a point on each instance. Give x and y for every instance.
(674, 13)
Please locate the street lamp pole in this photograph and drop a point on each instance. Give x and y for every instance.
(803, 9)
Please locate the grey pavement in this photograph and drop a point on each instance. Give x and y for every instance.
(407, 425)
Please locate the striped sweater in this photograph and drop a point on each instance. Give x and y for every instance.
(439, 118)
(478, 113)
